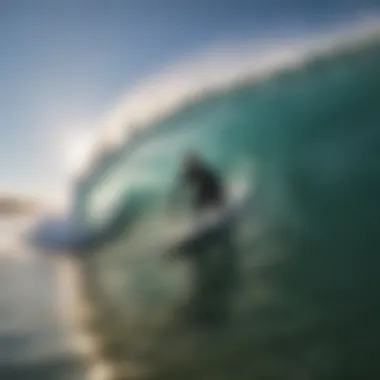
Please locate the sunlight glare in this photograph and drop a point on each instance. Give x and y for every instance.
(77, 151)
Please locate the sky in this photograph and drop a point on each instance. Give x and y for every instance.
(65, 63)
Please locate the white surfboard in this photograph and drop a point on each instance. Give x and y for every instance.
(183, 236)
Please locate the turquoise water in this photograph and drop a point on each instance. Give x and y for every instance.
(306, 143)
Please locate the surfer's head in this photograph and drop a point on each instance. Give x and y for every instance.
(191, 160)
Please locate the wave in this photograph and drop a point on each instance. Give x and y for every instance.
(308, 253)
(222, 68)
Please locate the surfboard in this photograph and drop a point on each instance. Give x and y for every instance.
(196, 232)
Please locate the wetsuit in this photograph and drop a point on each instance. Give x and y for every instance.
(206, 185)
(214, 261)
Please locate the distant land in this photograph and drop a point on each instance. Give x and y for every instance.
(15, 205)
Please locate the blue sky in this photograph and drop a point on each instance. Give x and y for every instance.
(65, 63)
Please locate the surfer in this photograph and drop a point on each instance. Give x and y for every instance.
(205, 184)
(213, 260)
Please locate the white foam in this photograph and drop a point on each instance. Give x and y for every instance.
(219, 68)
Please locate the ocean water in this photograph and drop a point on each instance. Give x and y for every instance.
(306, 142)
(37, 329)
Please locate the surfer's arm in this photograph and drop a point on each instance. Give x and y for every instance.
(178, 194)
